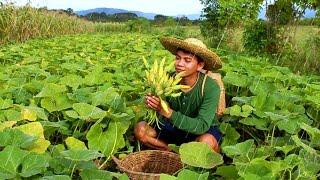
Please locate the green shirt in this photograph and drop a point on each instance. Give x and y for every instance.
(193, 112)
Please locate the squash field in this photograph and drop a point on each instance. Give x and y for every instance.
(68, 104)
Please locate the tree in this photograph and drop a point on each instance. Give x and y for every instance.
(69, 11)
(160, 19)
(169, 22)
(220, 16)
(122, 17)
(183, 21)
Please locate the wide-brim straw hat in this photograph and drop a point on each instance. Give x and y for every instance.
(211, 60)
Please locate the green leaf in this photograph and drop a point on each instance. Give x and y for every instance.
(259, 123)
(236, 79)
(174, 147)
(239, 149)
(231, 135)
(32, 113)
(16, 138)
(309, 149)
(29, 114)
(87, 111)
(12, 115)
(107, 97)
(243, 99)
(34, 164)
(191, 175)
(292, 160)
(7, 124)
(6, 103)
(205, 156)
(167, 177)
(246, 110)
(81, 95)
(310, 162)
(259, 100)
(273, 167)
(35, 129)
(123, 177)
(56, 103)
(286, 148)
(110, 140)
(73, 143)
(255, 169)
(277, 117)
(81, 154)
(11, 157)
(227, 172)
(72, 114)
(259, 86)
(72, 80)
(89, 174)
(235, 110)
(51, 90)
(291, 125)
(314, 133)
(97, 77)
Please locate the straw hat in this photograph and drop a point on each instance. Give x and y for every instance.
(212, 60)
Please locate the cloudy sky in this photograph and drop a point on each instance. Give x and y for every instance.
(166, 7)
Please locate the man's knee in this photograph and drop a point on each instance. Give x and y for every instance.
(142, 131)
(210, 140)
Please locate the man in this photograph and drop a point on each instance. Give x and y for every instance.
(191, 116)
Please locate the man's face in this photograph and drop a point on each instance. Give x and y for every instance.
(187, 62)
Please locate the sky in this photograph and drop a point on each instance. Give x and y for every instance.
(165, 7)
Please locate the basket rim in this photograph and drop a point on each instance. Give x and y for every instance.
(142, 173)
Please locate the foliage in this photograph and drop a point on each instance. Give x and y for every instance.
(23, 23)
(69, 103)
(281, 12)
(140, 25)
(204, 158)
(262, 37)
(103, 17)
(303, 59)
(221, 16)
(271, 105)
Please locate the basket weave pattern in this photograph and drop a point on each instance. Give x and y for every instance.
(149, 164)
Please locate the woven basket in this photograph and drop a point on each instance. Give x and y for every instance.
(149, 164)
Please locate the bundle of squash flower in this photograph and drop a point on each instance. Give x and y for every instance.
(162, 85)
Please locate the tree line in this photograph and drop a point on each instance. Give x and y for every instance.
(124, 17)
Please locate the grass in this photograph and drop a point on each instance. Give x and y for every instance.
(23, 23)
(299, 35)
(302, 33)
(18, 24)
(301, 54)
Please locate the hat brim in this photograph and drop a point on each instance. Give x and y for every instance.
(211, 60)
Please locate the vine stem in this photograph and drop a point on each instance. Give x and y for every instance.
(74, 166)
(272, 136)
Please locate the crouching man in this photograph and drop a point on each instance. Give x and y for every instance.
(192, 116)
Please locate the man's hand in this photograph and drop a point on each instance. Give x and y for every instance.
(153, 102)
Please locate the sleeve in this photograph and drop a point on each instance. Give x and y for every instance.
(207, 111)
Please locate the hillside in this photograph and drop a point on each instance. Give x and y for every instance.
(111, 11)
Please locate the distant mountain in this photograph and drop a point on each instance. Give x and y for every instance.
(111, 11)
(100, 10)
